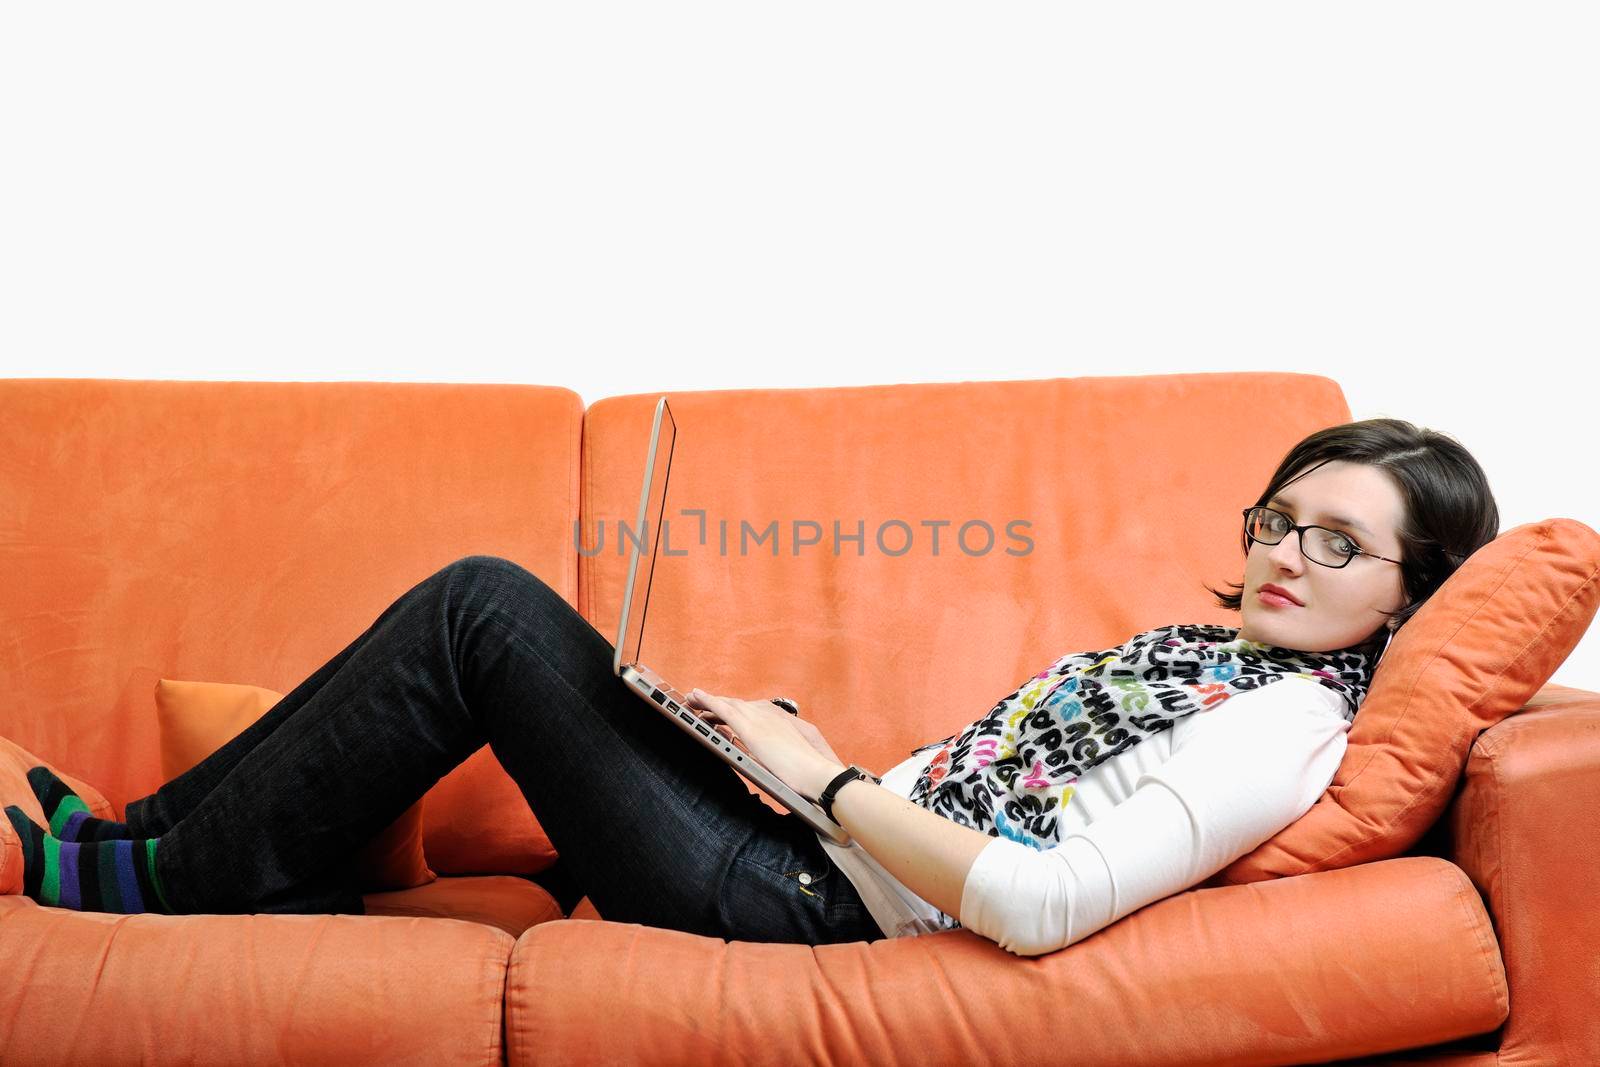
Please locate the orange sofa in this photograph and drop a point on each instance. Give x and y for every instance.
(245, 532)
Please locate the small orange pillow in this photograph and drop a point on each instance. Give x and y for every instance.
(14, 789)
(197, 718)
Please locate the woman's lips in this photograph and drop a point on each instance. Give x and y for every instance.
(1274, 600)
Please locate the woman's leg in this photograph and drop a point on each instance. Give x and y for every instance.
(332, 891)
(653, 827)
(159, 812)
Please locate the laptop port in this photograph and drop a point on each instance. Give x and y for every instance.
(658, 697)
(702, 729)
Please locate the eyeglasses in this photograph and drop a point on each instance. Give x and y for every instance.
(1319, 544)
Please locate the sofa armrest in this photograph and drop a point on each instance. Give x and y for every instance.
(1523, 828)
(1373, 958)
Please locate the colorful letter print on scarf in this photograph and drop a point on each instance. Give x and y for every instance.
(1012, 772)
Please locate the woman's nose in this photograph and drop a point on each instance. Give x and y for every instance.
(1287, 554)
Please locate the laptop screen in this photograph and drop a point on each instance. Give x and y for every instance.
(644, 538)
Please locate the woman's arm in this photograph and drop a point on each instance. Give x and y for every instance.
(928, 853)
(1244, 771)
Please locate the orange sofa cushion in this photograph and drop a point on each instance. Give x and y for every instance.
(197, 718)
(14, 789)
(1477, 652)
(93, 989)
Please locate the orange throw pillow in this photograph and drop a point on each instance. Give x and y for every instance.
(1478, 651)
(14, 789)
(197, 718)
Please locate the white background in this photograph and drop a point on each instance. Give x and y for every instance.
(622, 198)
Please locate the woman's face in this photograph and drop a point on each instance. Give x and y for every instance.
(1338, 607)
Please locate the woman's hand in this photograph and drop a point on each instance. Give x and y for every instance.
(809, 731)
(785, 744)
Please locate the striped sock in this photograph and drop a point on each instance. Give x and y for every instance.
(68, 815)
(113, 875)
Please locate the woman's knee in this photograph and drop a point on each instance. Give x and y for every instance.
(499, 577)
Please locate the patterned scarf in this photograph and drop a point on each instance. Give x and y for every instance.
(1010, 773)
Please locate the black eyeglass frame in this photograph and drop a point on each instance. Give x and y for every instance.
(1300, 532)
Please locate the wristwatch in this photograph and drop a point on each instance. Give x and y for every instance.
(849, 774)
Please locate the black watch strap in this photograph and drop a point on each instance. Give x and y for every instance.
(849, 774)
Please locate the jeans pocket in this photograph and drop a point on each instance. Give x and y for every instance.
(808, 881)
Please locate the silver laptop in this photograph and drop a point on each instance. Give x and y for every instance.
(651, 687)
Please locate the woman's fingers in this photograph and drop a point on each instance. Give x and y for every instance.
(708, 706)
(705, 700)
(703, 705)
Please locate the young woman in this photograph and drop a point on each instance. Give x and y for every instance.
(1030, 826)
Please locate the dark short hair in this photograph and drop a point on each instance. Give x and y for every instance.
(1450, 512)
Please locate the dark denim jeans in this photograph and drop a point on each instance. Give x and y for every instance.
(653, 827)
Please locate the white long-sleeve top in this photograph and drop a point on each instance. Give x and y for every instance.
(1153, 820)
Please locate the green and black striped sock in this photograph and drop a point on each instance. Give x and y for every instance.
(68, 815)
(88, 875)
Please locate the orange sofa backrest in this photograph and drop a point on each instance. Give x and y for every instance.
(247, 532)
(1131, 487)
